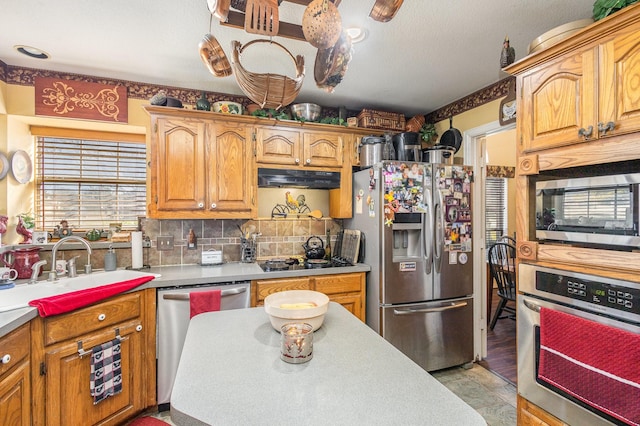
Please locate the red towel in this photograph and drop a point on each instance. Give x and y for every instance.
(67, 302)
(204, 301)
(593, 362)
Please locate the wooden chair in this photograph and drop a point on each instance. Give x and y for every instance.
(502, 264)
(507, 239)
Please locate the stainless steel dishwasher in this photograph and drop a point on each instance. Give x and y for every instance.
(173, 321)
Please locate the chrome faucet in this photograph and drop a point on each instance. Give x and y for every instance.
(53, 275)
(35, 271)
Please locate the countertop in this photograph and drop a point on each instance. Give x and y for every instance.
(180, 275)
(231, 373)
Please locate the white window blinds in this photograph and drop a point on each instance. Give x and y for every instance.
(89, 183)
(495, 210)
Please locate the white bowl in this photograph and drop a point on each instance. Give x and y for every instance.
(227, 107)
(279, 316)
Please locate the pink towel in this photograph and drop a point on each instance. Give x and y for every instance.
(593, 362)
(204, 301)
(67, 302)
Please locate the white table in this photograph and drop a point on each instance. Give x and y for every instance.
(230, 373)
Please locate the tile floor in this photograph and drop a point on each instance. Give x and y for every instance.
(490, 395)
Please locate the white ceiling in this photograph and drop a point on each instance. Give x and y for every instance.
(431, 54)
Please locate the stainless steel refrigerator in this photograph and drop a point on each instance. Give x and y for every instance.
(417, 221)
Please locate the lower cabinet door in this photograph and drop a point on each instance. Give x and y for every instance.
(15, 396)
(68, 396)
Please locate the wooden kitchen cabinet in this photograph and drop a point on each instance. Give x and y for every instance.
(199, 167)
(286, 147)
(346, 289)
(61, 358)
(588, 78)
(530, 415)
(573, 97)
(15, 378)
(204, 165)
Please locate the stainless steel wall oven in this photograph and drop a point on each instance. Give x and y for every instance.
(579, 346)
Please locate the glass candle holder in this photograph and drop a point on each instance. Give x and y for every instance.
(296, 343)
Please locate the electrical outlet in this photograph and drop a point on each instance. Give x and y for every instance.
(165, 243)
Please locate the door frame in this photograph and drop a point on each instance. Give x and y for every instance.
(474, 154)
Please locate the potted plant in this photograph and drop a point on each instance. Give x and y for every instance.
(429, 134)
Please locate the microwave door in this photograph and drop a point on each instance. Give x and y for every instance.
(597, 211)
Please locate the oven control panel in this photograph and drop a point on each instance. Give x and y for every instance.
(604, 294)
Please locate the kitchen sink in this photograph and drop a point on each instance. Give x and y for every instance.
(20, 295)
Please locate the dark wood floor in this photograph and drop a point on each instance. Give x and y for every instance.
(501, 347)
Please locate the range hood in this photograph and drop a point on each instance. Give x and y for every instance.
(283, 178)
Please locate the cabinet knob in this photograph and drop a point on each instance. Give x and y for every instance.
(308, 161)
(297, 161)
(102, 317)
(586, 133)
(604, 128)
(139, 327)
(6, 359)
(200, 205)
(214, 205)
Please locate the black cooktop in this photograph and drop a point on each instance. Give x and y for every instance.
(294, 264)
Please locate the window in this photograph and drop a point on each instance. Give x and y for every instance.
(495, 210)
(89, 182)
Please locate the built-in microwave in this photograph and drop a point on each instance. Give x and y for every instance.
(589, 211)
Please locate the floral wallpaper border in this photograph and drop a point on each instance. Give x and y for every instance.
(488, 94)
(501, 172)
(26, 77)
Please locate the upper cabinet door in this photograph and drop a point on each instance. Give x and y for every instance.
(619, 83)
(558, 102)
(275, 145)
(321, 149)
(179, 165)
(230, 168)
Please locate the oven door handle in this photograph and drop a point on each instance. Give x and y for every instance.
(185, 296)
(429, 310)
(534, 307)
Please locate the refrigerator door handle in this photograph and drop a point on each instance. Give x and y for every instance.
(426, 239)
(452, 305)
(438, 241)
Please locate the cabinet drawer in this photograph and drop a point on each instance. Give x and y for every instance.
(343, 283)
(92, 318)
(267, 287)
(16, 345)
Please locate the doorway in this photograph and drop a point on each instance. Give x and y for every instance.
(487, 147)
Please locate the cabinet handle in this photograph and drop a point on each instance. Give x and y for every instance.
(102, 317)
(200, 205)
(6, 359)
(586, 133)
(214, 205)
(604, 128)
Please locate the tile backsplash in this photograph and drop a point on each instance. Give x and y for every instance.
(277, 238)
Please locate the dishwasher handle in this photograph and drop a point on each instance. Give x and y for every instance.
(185, 296)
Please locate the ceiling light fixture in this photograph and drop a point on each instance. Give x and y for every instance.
(357, 34)
(32, 52)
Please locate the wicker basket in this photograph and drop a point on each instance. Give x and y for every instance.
(381, 120)
(267, 90)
